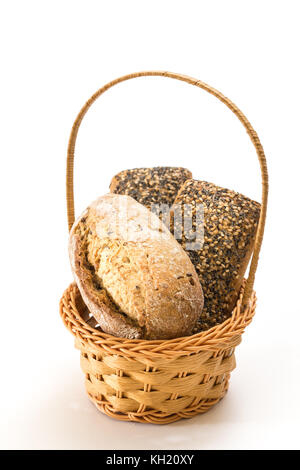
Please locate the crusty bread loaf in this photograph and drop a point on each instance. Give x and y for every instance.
(148, 186)
(135, 278)
(230, 223)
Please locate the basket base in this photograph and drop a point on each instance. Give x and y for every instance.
(158, 381)
(153, 417)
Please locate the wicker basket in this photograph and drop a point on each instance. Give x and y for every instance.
(164, 380)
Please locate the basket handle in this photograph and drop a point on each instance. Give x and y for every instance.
(252, 134)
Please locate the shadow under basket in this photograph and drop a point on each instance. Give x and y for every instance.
(157, 381)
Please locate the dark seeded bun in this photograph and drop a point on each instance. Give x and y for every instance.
(158, 185)
(230, 224)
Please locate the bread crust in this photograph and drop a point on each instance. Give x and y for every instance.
(111, 321)
(230, 224)
(151, 287)
(150, 186)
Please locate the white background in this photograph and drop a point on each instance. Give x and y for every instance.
(54, 55)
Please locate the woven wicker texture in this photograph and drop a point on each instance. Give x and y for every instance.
(159, 381)
(154, 381)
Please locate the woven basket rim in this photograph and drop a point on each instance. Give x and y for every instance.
(224, 335)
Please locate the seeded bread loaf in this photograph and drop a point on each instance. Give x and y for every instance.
(158, 185)
(134, 277)
(230, 223)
